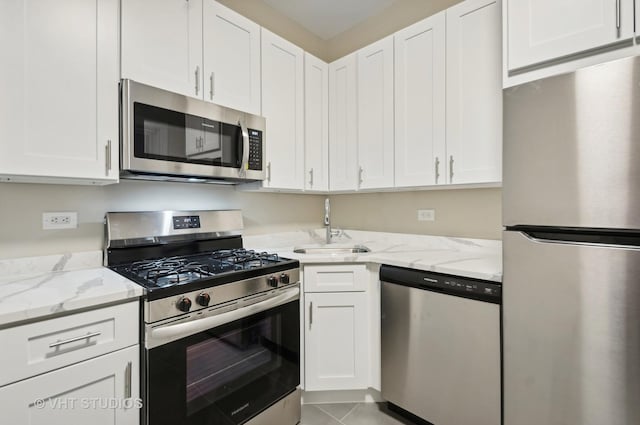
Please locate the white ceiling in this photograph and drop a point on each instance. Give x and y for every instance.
(328, 18)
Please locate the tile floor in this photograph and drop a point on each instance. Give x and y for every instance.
(350, 414)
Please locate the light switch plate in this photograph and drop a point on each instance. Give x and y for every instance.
(426, 215)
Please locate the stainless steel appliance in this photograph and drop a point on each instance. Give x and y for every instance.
(572, 248)
(441, 347)
(221, 329)
(167, 136)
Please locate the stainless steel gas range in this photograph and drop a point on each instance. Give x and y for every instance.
(221, 327)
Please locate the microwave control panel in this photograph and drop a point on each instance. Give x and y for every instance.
(255, 150)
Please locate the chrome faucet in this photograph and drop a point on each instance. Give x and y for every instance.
(327, 221)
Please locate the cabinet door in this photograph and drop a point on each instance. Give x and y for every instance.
(544, 30)
(101, 391)
(316, 123)
(343, 124)
(59, 85)
(162, 44)
(420, 62)
(282, 106)
(231, 58)
(474, 92)
(336, 354)
(375, 114)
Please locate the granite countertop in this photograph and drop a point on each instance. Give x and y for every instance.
(474, 258)
(38, 287)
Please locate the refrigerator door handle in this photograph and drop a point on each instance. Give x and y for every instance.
(593, 237)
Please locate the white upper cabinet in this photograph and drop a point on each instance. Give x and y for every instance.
(375, 115)
(420, 63)
(316, 123)
(283, 108)
(59, 91)
(162, 44)
(474, 92)
(343, 124)
(544, 30)
(231, 58)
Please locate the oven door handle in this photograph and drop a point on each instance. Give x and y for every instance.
(164, 334)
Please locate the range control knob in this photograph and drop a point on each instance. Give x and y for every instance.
(184, 304)
(272, 281)
(284, 278)
(203, 299)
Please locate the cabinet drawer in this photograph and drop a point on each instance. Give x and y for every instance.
(335, 278)
(100, 391)
(39, 347)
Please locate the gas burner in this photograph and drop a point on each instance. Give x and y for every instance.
(246, 258)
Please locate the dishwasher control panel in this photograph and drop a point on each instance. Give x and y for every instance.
(476, 289)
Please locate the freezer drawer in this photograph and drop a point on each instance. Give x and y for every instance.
(572, 149)
(571, 332)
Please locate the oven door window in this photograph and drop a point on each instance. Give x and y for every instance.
(228, 374)
(172, 136)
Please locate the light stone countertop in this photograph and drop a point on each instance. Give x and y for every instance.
(37, 287)
(474, 258)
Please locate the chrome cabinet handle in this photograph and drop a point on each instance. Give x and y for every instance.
(269, 171)
(127, 380)
(360, 177)
(108, 157)
(618, 17)
(311, 177)
(211, 82)
(74, 339)
(451, 169)
(310, 314)
(437, 169)
(197, 79)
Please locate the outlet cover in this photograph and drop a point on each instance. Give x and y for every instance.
(426, 215)
(59, 220)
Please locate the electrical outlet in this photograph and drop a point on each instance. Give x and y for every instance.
(426, 215)
(59, 220)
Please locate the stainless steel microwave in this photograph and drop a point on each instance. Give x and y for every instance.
(167, 136)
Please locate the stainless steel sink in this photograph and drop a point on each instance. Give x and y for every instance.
(328, 250)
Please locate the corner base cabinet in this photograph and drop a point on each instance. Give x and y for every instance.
(336, 343)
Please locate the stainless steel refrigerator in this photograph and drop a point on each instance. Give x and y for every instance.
(571, 286)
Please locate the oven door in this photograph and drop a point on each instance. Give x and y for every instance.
(227, 374)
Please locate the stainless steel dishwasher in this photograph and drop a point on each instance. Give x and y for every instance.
(441, 347)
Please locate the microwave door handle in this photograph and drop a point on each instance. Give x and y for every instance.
(245, 148)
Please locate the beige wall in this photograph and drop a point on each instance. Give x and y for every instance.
(399, 15)
(22, 205)
(276, 22)
(471, 213)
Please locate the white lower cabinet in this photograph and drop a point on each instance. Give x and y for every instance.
(100, 391)
(79, 369)
(336, 341)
